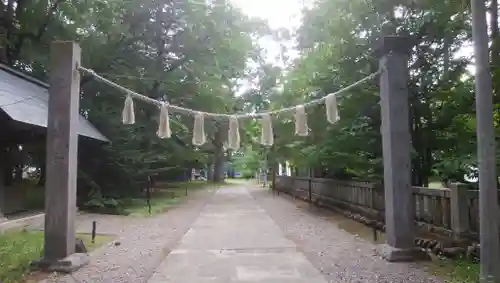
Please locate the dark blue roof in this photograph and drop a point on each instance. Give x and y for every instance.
(25, 99)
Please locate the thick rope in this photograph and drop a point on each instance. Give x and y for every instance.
(192, 112)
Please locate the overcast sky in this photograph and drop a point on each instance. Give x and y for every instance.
(279, 14)
(287, 14)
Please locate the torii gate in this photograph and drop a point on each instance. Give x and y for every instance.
(62, 148)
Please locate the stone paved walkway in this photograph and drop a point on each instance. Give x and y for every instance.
(235, 240)
(245, 234)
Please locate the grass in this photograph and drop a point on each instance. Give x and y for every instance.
(160, 202)
(195, 184)
(455, 271)
(435, 185)
(162, 199)
(18, 249)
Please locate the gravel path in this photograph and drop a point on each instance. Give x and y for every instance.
(144, 243)
(339, 255)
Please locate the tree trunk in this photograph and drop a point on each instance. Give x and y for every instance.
(446, 57)
(218, 165)
(41, 180)
(18, 172)
(416, 140)
(3, 44)
(274, 172)
(495, 33)
(218, 156)
(210, 172)
(495, 48)
(18, 164)
(8, 167)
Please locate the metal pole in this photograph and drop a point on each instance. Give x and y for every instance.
(488, 195)
(94, 228)
(148, 194)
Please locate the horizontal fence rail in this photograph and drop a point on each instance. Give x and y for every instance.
(454, 209)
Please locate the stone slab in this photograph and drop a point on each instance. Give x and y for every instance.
(189, 266)
(234, 240)
(67, 265)
(393, 254)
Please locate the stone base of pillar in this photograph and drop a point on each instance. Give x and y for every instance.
(393, 254)
(66, 265)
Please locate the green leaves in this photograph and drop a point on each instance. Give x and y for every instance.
(180, 51)
(335, 41)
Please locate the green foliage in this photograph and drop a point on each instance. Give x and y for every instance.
(457, 271)
(336, 41)
(247, 162)
(186, 52)
(196, 55)
(98, 203)
(162, 198)
(159, 204)
(35, 195)
(19, 249)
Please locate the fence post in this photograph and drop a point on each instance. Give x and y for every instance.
(310, 190)
(373, 196)
(460, 221)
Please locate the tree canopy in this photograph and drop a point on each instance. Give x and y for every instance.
(186, 52)
(336, 41)
(196, 54)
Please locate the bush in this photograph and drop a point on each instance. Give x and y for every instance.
(99, 204)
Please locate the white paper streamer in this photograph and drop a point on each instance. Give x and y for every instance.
(164, 123)
(189, 111)
(128, 115)
(267, 134)
(332, 114)
(233, 137)
(199, 137)
(301, 128)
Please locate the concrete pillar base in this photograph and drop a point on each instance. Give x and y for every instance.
(393, 254)
(66, 265)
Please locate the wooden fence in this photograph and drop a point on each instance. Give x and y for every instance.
(454, 209)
